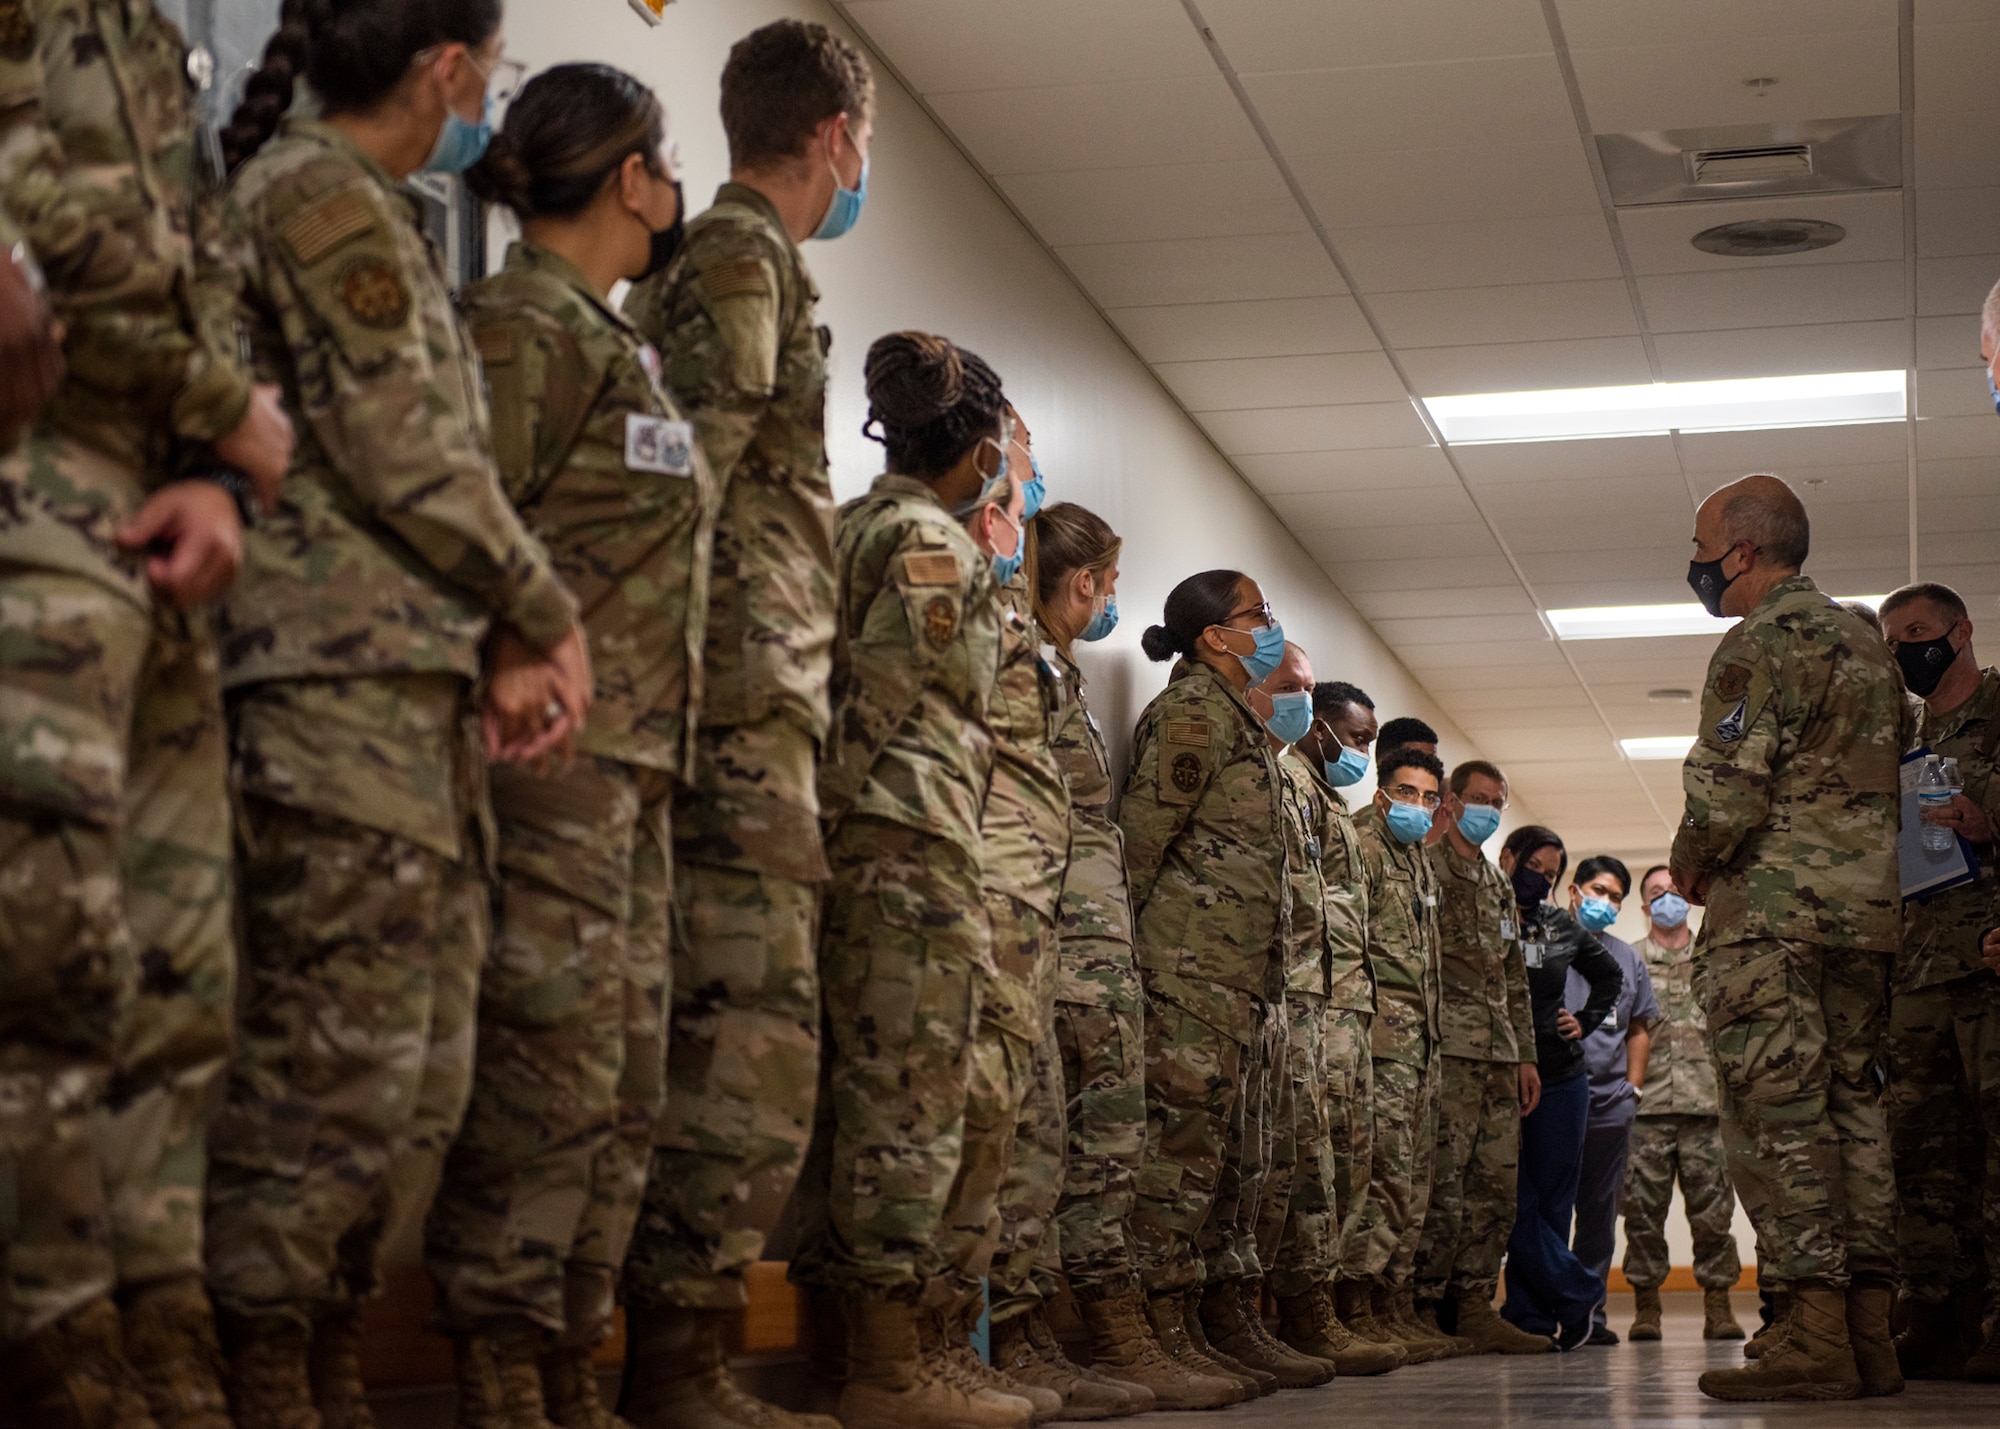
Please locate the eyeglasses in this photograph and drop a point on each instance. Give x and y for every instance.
(1266, 618)
(503, 81)
(1411, 794)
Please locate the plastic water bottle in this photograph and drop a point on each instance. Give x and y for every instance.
(1952, 781)
(1934, 793)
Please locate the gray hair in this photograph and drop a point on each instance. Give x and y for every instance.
(1989, 315)
(1763, 510)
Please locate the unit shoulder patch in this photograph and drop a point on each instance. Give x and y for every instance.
(1729, 728)
(373, 292)
(940, 621)
(1732, 682)
(1186, 773)
(931, 568)
(1188, 731)
(325, 226)
(495, 345)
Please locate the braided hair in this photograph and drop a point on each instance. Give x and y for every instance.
(931, 401)
(352, 52)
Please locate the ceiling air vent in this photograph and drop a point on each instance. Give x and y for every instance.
(1758, 164)
(1800, 156)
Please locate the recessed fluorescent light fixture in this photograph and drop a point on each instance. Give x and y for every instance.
(1656, 408)
(1633, 622)
(1658, 746)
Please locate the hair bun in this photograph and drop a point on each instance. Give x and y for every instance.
(1158, 643)
(501, 176)
(914, 378)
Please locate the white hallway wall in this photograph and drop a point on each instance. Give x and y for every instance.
(937, 249)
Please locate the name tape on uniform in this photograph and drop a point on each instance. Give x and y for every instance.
(658, 444)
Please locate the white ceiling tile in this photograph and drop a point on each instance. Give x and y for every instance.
(1478, 654)
(1509, 462)
(1657, 590)
(1955, 64)
(1333, 34)
(1186, 120)
(1949, 341)
(1958, 437)
(1939, 514)
(1282, 327)
(1844, 521)
(1076, 206)
(1822, 486)
(1957, 148)
(1466, 573)
(1658, 237)
(1835, 555)
(1494, 707)
(1952, 222)
(1700, 84)
(1947, 477)
(1508, 100)
(1477, 255)
(1462, 540)
(1573, 739)
(1410, 633)
(1952, 12)
(1578, 525)
(1764, 297)
(1668, 558)
(1473, 600)
(1445, 681)
(1598, 24)
(1204, 270)
(971, 44)
(1955, 285)
(1950, 548)
(1306, 512)
(1731, 454)
(1525, 366)
(1594, 505)
(1360, 189)
(1282, 381)
(1959, 392)
(1783, 351)
(1305, 429)
(1281, 473)
(1528, 312)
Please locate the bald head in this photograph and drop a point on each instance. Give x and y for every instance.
(1294, 673)
(1763, 511)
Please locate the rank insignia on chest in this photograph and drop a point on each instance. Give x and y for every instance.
(1729, 728)
(940, 621)
(373, 292)
(1186, 773)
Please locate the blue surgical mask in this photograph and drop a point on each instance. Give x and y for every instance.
(1004, 567)
(1670, 910)
(1104, 620)
(1410, 823)
(1291, 716)
(1597, 914)
(1034, 491)
(1994, 390)
(461, 143)
(1479, 822)
(845, 210)
(1268, 653)
(1350, 768)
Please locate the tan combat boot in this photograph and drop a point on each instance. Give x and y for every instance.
(267, 1360)
(1355, 1305)
(677, 1377)
(1480, 1323)
(171, 1345)
(1259, 1382)
(339, 1392)
(1814, 1359)
(1145, 1342)
(1418, 1348)
(947, 1342)
(1308, 1324)
(1215, 1323)
(1021, 1356)
(1646, 1314)
(889, 1386)
(1781, 1320)
(500, 1380)
(1869, 1300)
(1718, 1316)
(1940, 1336)
(570, 1393)
(1423, 1314)
(1321, 1370)
(1984, 1365)
(74, 1375)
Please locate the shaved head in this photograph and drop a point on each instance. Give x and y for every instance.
(1764, 511)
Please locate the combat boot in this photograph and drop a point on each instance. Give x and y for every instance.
(889, 1385)
(947, 1342)
(1354, 1304)
(339, 1392)
(1021, 1356)
(1984, 1365)
(676, 1377)
(570, 1392)
(1425, 1317)
(824, 1324)
(1646, 1315)
(1480, 1323)
(267, 1360)
(1718, 1316)
(1869, 1300)
(1813, 1359)
(1146, 1342)
(1418, 1348)
(170, 1343)
(1207, 1335)
(74, 1375)
(1308, 1324)
(500, 1380)
(1941, 1335)
(1293, 1370)
(1781, 1319)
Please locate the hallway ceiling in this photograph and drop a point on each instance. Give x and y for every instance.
(1305, 215)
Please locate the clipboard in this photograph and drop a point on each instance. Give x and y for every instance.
(1925, 873)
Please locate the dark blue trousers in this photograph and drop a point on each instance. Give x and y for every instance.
(1547, 1286)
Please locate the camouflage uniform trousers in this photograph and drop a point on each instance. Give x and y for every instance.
(542, 1185)
(1350, 1119)
(116, 946)
(1299, 1235)
(1687, 1148)
(1028, 1264)
(903, 962)
(1798, 1032)
(1104, 1081)
(742, 1076)
(1944, 1092)
(1384, 1246)
(353, 1063)
(1258, 1169)
(1473, 1188)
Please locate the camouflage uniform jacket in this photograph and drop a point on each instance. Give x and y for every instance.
(1203, 820)
(734, 319)
(98, 175)
(915, 655)
(1096, 904)
(1485, 1008)
(1680, 1078)
(1941, 933)
(1402, 942)
(596, 458)
(1309, 852)
(392, 545)
(1792, 784)
(1025, 820)
(1350, 984)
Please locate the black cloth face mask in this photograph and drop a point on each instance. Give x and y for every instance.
(1924, 662)
(1708, 582)
(667, 241)
(1530, 887)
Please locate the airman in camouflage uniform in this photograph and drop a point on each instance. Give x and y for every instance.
(1403, 1046)
(349, 651)
(1789, 837)
(116, 952)
(542, 1186)
(735, 319)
